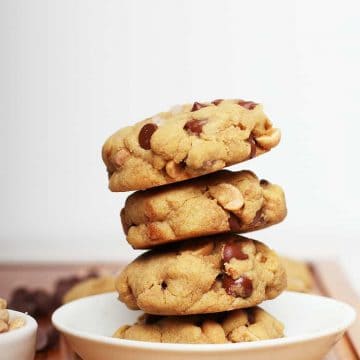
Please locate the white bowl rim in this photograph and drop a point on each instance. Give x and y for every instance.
(29, 327)
(188, 348)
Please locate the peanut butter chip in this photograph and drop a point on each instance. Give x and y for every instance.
(145, 135)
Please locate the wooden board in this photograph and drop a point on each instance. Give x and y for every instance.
(329, 280)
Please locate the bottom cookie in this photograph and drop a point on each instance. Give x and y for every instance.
(236, 326)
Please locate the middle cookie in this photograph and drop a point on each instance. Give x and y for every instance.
(218, 203)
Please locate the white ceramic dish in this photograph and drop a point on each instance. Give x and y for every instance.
(313, 324)
(19, 344)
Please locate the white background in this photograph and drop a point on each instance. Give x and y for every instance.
(72, 72)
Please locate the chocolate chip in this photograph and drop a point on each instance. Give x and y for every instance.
(63, 286)
(145, 135)
(233, 249)
(241, 287)
(195, 126)
(234, 223)
(164, 285)
(197, 106)
(252, 143)
(258, 219)
(217, 101)
(247, 104)
(250, 312)
(43, 301)
(41, 339)
(22, 300)
(264, 182)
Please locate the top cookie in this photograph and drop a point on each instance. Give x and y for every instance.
(186, 142)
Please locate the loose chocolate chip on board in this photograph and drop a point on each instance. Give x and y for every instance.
(41, 339)
(195, 126)
(43, 301)
(22, 300)
(62, 286)
(47, 338)
(217, 101)
(197, 106)
(252, 143)
(247, 104)
(234, 223)
(241, 287)
(233, 249)
(145, 135)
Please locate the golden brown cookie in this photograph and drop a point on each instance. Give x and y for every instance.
(186, 142)
(299, 277)
(214, 274)
(93, 286)
(251, 324)
(217, 203)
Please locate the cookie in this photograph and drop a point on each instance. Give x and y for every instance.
(299, 277)
(186, 142)
(236, 326)
(93, 286)
(214, 274)
(217, 203)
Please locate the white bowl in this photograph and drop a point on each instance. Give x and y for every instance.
(313, 324)
(19, 344)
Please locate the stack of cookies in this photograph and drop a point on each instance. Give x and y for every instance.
(201, 282)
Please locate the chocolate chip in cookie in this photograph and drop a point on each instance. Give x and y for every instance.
(234, 223)
(195, 126)
(145, 135)
(247, 104)
(252, 143)
(197, 106)
(242, 287)
(233, 249)
(217, 101)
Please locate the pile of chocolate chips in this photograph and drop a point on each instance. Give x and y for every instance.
(40, 304)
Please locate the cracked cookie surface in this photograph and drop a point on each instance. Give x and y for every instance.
(213, 274)
(186, 142)
(216, 203)
(246, 325)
